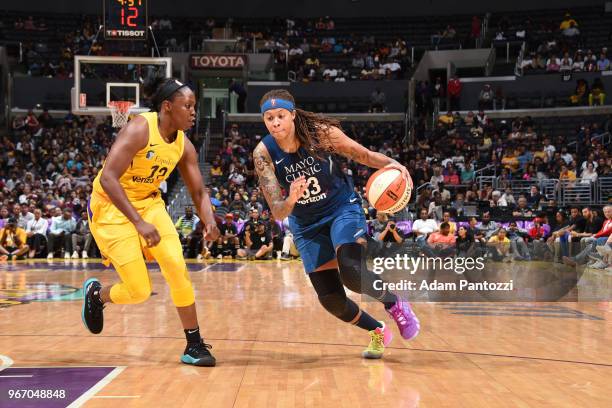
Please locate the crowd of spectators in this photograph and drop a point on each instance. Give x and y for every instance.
(554, 47)
(47, 166)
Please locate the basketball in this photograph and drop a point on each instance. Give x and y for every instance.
(388, 191)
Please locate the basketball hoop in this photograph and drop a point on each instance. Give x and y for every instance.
(120, 110)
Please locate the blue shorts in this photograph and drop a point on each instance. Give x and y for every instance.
(317, 241)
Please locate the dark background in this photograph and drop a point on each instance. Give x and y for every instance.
(310, 8)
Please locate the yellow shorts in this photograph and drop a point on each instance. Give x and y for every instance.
(118, 239)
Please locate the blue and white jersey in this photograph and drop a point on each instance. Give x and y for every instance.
(328, 186)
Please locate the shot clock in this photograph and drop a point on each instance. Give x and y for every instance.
(125, 19)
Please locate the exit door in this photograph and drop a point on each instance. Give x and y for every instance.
(216, 100)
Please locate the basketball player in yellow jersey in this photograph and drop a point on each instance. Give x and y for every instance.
(127, 215)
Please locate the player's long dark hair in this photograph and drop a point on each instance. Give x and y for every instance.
(311, 129)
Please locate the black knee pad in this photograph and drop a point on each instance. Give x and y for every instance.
(352, 266)
(340, 306)
(354, 271)
(332, 296)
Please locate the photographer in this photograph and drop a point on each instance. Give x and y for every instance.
(391, 233)
(258, 242)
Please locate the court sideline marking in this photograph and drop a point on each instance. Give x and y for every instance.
(87, 395)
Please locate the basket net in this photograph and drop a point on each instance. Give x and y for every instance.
(120, 111)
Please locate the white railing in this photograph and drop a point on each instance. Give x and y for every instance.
(518, 70)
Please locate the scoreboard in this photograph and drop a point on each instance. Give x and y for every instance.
(125, 19)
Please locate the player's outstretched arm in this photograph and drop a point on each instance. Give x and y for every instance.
(190, 172)
(347, 147)
(280, 207)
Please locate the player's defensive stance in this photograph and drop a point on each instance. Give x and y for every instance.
(325, 217)
(128, 216)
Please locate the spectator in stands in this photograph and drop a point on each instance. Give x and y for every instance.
(603, 63)
(454, 88)
(60, 233)
(258, 242)
(437, 177)
(186, 224)
(440, 243)
(522, 209)
(518, 245)
(597, 94)
(485, 98)
(578, 64)
(238, 206)
(254, 204)
(554, 240)
(584, 232)
(82, 238)
(580, 93)
(590, 62)
(36, 231)
(566, 63)
(539, 234)
(553, 64)
(423, 227)
(450, 175)
(567, 22)
(475, 30)
(498, 246)
(12, 241)
(497, 200)
(379, 224)
(534, 198)
(467, 173)
(378, 101)
(446, 217)
(589, 175)
(464, 242)
(571, 31)
(598, 239)
(482, 118)
(487, 226)
(23, 215)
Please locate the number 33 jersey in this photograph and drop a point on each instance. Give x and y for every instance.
(328, 186)
(150, 166)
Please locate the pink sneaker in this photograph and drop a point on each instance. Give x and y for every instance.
(407, 322)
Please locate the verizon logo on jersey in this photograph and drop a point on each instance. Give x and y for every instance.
(143, 180)
(223, 61)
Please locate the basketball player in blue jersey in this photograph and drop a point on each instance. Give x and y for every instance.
(300, 156)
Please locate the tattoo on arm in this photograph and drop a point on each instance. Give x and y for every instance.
(269, 185)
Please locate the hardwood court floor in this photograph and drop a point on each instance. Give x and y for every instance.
(276, 347)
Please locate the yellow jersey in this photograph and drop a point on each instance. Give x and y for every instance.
(150, 166)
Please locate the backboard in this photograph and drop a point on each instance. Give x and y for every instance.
(99, 80)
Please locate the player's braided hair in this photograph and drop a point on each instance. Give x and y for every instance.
(310, 127)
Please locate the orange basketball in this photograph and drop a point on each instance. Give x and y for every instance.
(388, 191)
